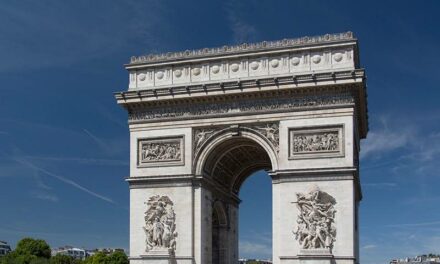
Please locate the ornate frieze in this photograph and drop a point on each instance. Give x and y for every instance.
(316, 142)
(160, 151)
(315, 227)
(160, 226)
(263, 105)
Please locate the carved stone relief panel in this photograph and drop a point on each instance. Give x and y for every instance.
(145, 78)
(181, 74)
(270, 131)
(201, 135)
(316, 142)
(160, 151)
(160, 226)
(315, 226)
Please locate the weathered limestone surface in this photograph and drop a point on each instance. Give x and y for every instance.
(202, 121)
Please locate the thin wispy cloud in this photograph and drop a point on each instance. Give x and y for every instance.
(107, 114)
(97, 140)
(59, 38)
(256, 244)
(65, 180)
(380, 185)
(251, 249)
(421, 224)
(92, 161)
(109, 147)
(241, 29)
(45, 196)
(370, 246)
(14, 231)
(385, 140)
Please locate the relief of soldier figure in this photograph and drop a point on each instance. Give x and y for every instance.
(160, 151)
(160, 226)
(316, 220)
(316, 142)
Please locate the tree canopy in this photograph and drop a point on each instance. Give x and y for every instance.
(35, 247)
(37, 251)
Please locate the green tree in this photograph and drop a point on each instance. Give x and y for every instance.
(28, 251)
(63, 259)
(15, 258)
(35, 247)
(98, 258)
(40, 261)
(118, 257)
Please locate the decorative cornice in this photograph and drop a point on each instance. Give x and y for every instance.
(242, 48)
(288, 81)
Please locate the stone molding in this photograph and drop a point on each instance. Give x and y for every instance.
(165, 181)
(309, 79)
(161, 151)
(279, 180)
(318, 174)
(317, 257)
(243, 48)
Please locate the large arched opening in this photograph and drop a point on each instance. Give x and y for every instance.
(255, 218)
(229, 159)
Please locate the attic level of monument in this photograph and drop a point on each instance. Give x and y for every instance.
(250, 62)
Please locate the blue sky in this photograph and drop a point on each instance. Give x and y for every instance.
(64, 141)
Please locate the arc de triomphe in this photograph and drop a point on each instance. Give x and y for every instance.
(202, 121)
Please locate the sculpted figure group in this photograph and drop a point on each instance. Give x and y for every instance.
(160, 151)
(316, 142)
(316, 220)
(201, 136)
(160, 225)
(270, 131)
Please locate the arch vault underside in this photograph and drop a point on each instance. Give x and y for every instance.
(202, 121)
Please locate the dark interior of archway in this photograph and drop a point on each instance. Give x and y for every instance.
(235, 160)
(215, 237)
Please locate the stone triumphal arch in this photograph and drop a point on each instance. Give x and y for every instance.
(201, 121)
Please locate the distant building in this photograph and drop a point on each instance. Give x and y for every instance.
(80, 253)
(106, 251)
(4, 248)
(254, 261)
(77, 253)
(423, 259)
